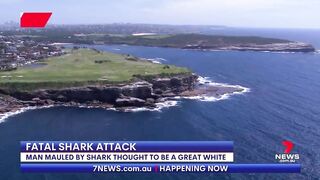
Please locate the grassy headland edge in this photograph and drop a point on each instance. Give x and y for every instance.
(84, 67)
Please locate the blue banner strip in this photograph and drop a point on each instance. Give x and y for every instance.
(161, 168)
(127, 146)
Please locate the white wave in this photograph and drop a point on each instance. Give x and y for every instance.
(208, 82)
(206, 98)
(158, 108)
(160, 105)
(317, 51)
(4, 116)
(166, 104)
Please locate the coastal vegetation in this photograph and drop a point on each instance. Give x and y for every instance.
(83, 67)
(184, 41)
(169, 40)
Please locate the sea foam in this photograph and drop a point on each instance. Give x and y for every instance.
(207, 82)
(158, 108)
(4, 116)
(166, 103)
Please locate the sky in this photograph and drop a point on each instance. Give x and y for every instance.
(235, 13)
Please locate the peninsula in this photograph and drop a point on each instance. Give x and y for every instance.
(90, 78)
(184, 41)
(209, 42)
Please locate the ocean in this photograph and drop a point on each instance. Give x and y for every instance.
(283, 104)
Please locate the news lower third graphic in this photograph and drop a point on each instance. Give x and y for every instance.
(140, 157)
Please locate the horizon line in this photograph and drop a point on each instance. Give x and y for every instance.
(160, 24)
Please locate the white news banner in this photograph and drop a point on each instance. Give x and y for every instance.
(97, 157)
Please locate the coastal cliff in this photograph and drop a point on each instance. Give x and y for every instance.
(144, 92)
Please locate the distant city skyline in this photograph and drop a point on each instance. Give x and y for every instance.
(232, 13)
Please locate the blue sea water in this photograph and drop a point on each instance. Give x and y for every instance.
(284, 103)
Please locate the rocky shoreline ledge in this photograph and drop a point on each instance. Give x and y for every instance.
(145, 92)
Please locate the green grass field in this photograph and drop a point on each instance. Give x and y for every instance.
(82, 67)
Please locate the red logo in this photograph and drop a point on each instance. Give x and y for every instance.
(288, 145)
(34, 19)
(287, 156)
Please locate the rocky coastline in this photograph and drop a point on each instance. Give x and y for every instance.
(141, 93)
(145, 92)
(273, 47)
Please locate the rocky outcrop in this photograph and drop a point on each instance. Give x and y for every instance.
(130, 102)
(145, 91)
(8, 103)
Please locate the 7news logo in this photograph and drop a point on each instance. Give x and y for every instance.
(287, 157)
